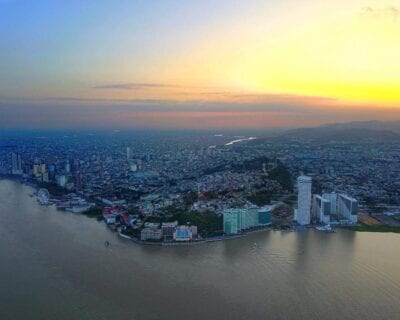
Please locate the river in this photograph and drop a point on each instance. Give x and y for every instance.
(54, 265)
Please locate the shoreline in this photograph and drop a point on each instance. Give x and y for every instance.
(356, 228)
(185, 243)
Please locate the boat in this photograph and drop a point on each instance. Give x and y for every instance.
(327, 228)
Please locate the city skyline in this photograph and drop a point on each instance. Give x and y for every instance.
(170, 64)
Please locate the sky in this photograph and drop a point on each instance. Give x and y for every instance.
(197, 64)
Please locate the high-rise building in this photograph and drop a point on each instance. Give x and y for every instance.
(78, 181)
(321, 209)
(61, 180)
(16, 164)
(231, 221)
(43, 168)
(303, 212)
(347, 207)
(36, 170)
(332, 198)
(45, 177)
(239, 219)
(249, 217)
(129, 153)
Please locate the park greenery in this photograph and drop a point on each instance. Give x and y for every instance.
(375, 228)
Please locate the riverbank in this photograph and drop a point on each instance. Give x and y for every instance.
(190, 243)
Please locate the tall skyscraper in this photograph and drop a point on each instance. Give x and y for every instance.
(332, 197)
(347, 207)
(322, 209)
(16, 163)
(67, 167)
(304, 200)
(129, 153)
(78, 181)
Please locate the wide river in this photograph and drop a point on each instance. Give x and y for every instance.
(54, 265)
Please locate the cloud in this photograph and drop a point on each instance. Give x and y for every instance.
(133, 86)
(205, 102)
(392, 12)
(270, 111)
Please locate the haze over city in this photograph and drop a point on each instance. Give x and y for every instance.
(197, 64)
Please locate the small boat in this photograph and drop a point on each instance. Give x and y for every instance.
(326, 228)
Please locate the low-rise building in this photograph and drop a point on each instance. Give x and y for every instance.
(150, 234)
(183, 233)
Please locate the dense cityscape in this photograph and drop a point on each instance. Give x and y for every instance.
(174, 187)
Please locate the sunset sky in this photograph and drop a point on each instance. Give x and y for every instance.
(197, 64)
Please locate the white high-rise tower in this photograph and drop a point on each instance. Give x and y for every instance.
(129, 153)
(304, 200)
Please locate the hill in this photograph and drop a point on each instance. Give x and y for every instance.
(348, 132)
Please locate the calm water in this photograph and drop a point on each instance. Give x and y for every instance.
(54, 265)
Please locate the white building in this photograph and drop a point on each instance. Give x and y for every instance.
(322, 209)
(303, 212)
(150, 234)
(61, 180)
(16, 164)
(332, 198)
(347, 207)
(129, 153)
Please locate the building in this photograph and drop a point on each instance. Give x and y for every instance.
(332, 198)
(133, 167)
(240, 219)
(321, 209)
(249, 217)
(129, 153)
(150, 234)
(16, 164)
(303, 212)
(78, 181)
(168, 229)
(45, 177)
(231, 221)
(67, 167)
(183, 233)
(194, 231)
(264, 215)
(347, 207)
(61, 180)
(36, 170)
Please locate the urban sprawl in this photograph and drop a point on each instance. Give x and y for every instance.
(199, 186)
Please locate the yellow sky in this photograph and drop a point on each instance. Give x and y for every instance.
(350, 52)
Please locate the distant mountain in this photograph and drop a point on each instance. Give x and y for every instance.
(371, 131)
(370, 125)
